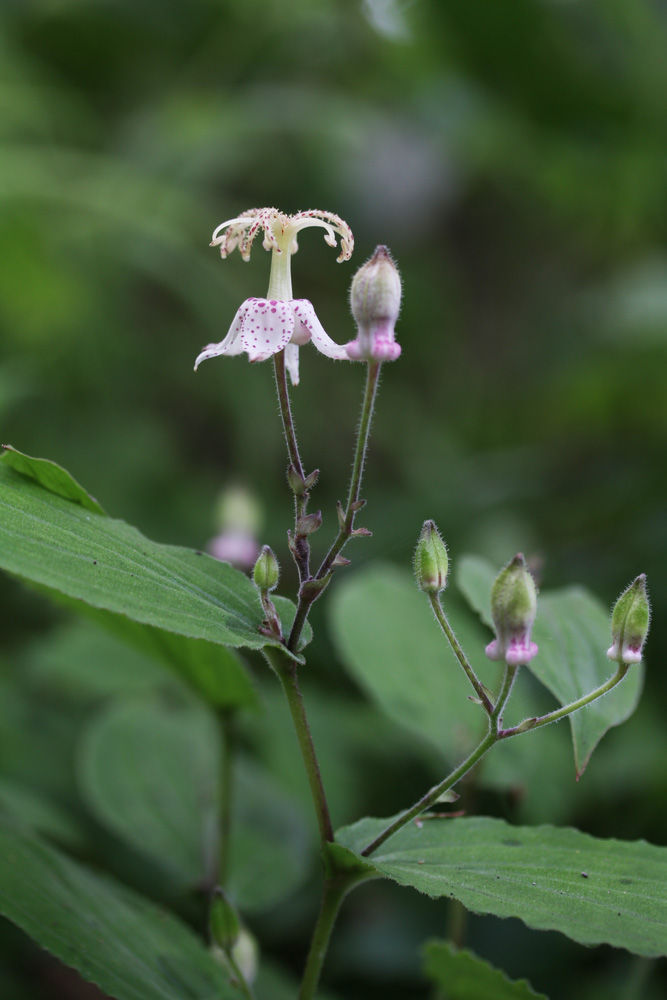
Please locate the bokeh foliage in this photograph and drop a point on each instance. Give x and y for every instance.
(511, 154)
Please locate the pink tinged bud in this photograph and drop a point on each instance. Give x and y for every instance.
(513, 609)
(375, 299)
(630, 621)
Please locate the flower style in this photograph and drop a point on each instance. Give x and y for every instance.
(263, 327)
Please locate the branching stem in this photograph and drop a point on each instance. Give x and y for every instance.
(458, 652)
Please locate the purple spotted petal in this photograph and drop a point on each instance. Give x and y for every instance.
(307, 322)
(232, 342)
(267, 327)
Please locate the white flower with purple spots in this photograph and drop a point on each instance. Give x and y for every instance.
(263, 327)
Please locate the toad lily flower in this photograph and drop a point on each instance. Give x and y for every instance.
(263, 327)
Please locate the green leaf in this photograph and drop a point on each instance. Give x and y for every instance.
(107, 564)
(214, 671)
(150, 771)
(129, 948)
(407, 668)
(51, 476)
(39, 813)
(465, 976)
(572, 633)
(594, 891)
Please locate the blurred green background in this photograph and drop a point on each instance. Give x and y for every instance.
(513, 157)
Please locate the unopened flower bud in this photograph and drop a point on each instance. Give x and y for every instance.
(375, 299)
(224, 922)
(267, 571)
(629, 623)
(431, 562)
(513, 609)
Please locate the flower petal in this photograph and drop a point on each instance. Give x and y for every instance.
(305, 315)
(267, 327)
(232, 342)
(292, 362)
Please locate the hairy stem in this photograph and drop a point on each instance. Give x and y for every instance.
(434, 793)
(560, 713)
(239, 980)
(443, 622)
(287, 672)
(301, 548)
(226, 791)
(308, 595)
(335, 890)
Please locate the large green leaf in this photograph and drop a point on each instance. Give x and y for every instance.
(131, 949)
(68, 548)
(464, 976)
(388, 639)
(594, 891)
(150, 771)
(572, 633)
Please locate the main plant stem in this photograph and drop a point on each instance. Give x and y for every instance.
(335, 889)
(286, 669)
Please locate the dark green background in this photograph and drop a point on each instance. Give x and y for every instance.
(511, 153)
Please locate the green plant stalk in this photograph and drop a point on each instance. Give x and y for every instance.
(528, 724)
(239, 979)
(226, 791)
(443, 622)
(287, 672)
(307, 597)
(336, 888)
(301, 550)
(432, 796)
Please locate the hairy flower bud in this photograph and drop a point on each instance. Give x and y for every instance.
(267, 571)
(375, 299)
(629, 623)
(513, 608)
(431, 562)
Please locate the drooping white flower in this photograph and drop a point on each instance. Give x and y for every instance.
(263, 327)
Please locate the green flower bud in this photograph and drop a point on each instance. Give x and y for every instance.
(513, 609)
(629, 623)
(224, 922)
(431, 562)
(267, 571)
